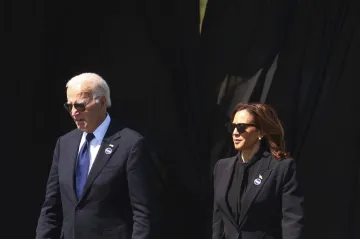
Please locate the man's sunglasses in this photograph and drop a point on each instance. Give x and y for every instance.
(239, 127)
(81, 107)
(78, 106)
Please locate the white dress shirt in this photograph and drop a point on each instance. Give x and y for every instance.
(95, 144)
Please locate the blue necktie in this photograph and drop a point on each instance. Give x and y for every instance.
(83, 163)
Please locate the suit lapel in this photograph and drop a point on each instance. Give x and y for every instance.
(254, 187)
(227, 178)
(107, 148)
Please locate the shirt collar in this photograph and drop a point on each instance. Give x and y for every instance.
(100, 131)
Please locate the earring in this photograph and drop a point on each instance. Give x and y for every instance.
(260, 138)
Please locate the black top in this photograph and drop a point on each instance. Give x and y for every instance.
(271, 204)
(241, 173)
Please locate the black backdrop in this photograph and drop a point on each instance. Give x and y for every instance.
(165, 79)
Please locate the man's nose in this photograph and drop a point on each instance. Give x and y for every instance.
(74, 111)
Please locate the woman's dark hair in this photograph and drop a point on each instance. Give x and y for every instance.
(269, 124)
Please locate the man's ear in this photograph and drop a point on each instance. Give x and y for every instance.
(103, 101)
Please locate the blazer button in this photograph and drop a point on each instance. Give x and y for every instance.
(78, 209)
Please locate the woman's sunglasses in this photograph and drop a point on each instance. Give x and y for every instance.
(239, 127)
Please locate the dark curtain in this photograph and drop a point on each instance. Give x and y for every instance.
(146, 50)
(313, 89)
(317, 78)
(177, 89)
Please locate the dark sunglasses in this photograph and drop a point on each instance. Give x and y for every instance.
(239, 127)
(81, 107)
(78, 106)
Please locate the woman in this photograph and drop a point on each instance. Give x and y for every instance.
(256, 193)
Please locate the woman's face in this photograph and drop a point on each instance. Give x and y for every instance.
(249, 135)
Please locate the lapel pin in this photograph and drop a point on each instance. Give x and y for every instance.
(111, 145)
(108, 150)
(257, 181)
(260, 176)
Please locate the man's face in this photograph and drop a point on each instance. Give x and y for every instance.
(90, 112)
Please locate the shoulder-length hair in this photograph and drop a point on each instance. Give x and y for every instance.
(269, 125)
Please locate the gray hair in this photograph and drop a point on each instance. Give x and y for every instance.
(96, 83)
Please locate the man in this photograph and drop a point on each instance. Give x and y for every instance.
(101, 182)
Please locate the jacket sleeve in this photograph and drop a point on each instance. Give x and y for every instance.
(292, 204)
(217, 224)
(50, 220)
(143, 192)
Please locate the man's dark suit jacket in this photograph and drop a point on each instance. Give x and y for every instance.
(272, 209)
(119, 195)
